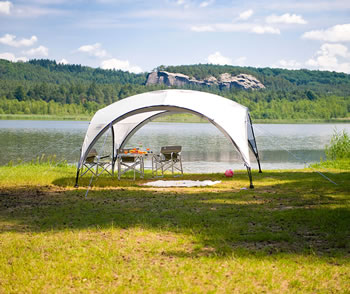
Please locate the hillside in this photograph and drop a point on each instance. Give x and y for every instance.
(45, 87)
(43, 70)
(321, 82)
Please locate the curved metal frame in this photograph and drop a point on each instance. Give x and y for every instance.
(256, 146)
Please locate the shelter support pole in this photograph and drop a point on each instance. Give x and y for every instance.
(250, 177)
(260, 171)
(114, 160)
(113, 150)
(256, 152)
(77, 178)
(78, 170)
(113, 163)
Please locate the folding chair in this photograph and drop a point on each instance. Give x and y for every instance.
(95, 164)
(168, 159)
(127, 162)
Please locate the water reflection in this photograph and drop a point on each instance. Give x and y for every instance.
(205, 149)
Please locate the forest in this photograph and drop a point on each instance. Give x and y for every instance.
(44, 87)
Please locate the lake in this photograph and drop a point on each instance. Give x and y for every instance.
(205, 149)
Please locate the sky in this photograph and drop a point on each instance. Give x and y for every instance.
(138, 36)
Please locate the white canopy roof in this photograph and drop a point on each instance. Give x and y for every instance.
(128, 115)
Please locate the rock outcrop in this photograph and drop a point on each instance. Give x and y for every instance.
(242, 81)
(226, 80)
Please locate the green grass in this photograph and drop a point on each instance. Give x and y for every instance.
(333, 164)
(290, 234)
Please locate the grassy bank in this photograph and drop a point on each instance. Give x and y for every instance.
(289, 234)
(301, 121)
(188, 118)
(44, 117)
(182, 118)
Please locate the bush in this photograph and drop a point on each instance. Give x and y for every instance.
(339, 147)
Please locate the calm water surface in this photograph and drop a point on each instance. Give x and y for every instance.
(205, 149)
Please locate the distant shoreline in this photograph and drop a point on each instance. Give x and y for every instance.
(178, 118)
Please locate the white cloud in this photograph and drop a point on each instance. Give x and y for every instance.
(40, 51)
(286, 18)
(206, 3)
(333, 57)
(5, 7)
(240, 61)
(180, 2)
(46, 2)
(10, 40)
(124, 65)
(337, 33)
(288, 64)
(334, 50)
(93, 50)
(32, 12)
(234, 27)
(217, 58)
(204, 28)
(245, 14)
(183, 3)
(309, 6)
(12, 57)
(63, 61)
(265, 30)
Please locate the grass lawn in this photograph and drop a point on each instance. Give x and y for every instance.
(291, 234)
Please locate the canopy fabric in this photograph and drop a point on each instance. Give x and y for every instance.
(130, 125)
(124, 117)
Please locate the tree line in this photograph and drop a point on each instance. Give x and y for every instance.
(45, 87)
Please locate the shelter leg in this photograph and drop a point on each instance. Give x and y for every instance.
(77, 179)
(152, 166)
(113, 166)
(143, 167)
(119, 168)
(260, 171)
(250, 178)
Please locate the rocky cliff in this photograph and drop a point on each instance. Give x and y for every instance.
(226, 80)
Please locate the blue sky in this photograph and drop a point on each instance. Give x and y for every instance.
(141, 35)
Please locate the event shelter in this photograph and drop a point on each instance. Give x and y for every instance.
(128, 115)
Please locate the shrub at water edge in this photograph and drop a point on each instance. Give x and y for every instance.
(337, 152)
(339, 147)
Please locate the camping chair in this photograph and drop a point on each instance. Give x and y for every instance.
(168, 159)
(129, 161)
(95, 164)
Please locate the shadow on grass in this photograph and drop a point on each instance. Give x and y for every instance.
(291, 212)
